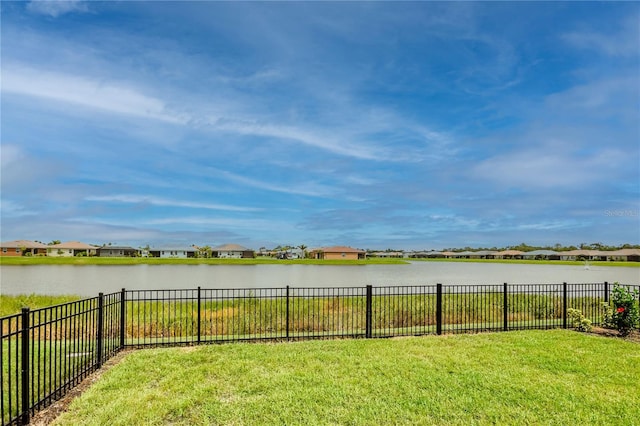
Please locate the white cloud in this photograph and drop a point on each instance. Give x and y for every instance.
(225, 222)
(55, 8)
(623, 42)
(12, 209)
(10, 154)
(158, 201)
(305, 136)
(86, 92)
(548, 167)
(309, 189)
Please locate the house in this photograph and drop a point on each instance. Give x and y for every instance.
(118, 251)
(338, 252)
(542, 255)
(173, 252)
(232, 251)
(509, 254)
(22, 248)
(71, 248)
(388, 254)
(630, 255)
(582, 255)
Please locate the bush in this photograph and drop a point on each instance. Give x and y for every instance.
(578, 321)
(622, 314)
(607, 316)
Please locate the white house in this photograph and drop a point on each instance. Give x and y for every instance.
(232, 251)
(70, 249)
(173, 252)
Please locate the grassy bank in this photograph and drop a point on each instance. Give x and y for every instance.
(253, 317)
(43, 260)
(535, 377)
(535, 262)
(10, 305)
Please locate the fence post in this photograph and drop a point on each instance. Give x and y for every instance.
(25, 416)
(368, 313)
(100, 327)
(606, 292)
(439, 309)
(564, 305)
(199, 305)
(287, 313)
(505, 308)
(123, 313)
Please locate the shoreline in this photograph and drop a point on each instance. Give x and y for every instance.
(27, 261)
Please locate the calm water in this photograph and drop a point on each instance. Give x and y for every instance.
(92, 279)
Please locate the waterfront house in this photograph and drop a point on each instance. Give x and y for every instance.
(118, 251)
(22, 247)
(232, 251)
(630, 255)
(542, 255)
(338, 252)
(509, 254)
(173, 252)
(71, 248)
(388, 254)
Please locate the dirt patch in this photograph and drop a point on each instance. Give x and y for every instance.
(47, 415)
(634, 336)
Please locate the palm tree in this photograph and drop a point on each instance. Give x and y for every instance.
(303, 248)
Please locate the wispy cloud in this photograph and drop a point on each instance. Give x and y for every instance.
(623, 42)
(55, 8)
(546, 168)
(158, 201)
(85, 92)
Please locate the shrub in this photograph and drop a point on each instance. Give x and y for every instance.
(623, 314)
(607, 316)
(578, 321)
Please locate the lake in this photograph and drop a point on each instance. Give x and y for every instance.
(89, 280)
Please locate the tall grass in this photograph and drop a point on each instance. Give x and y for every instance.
(10, 305)
(263, 317)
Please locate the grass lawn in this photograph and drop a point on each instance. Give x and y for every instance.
(531, 377)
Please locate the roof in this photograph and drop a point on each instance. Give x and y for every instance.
(339, 249)
(624, 252)
(116, 248)
(541, 253)
(172, 248)
(230, 247)
(580, 253)
(23, 243)
(485, 252)
(76, 245)
(510, 253)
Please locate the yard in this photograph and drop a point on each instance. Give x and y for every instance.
(528, 377)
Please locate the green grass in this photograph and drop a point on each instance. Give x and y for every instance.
(535, 262)
(533, 377)
(44, 260)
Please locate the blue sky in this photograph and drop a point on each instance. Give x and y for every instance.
(375, 125)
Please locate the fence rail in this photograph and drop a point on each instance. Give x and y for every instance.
(48, 351)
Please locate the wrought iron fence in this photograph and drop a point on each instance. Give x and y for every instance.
(46, 352)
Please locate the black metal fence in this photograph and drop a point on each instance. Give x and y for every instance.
(46, 352)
